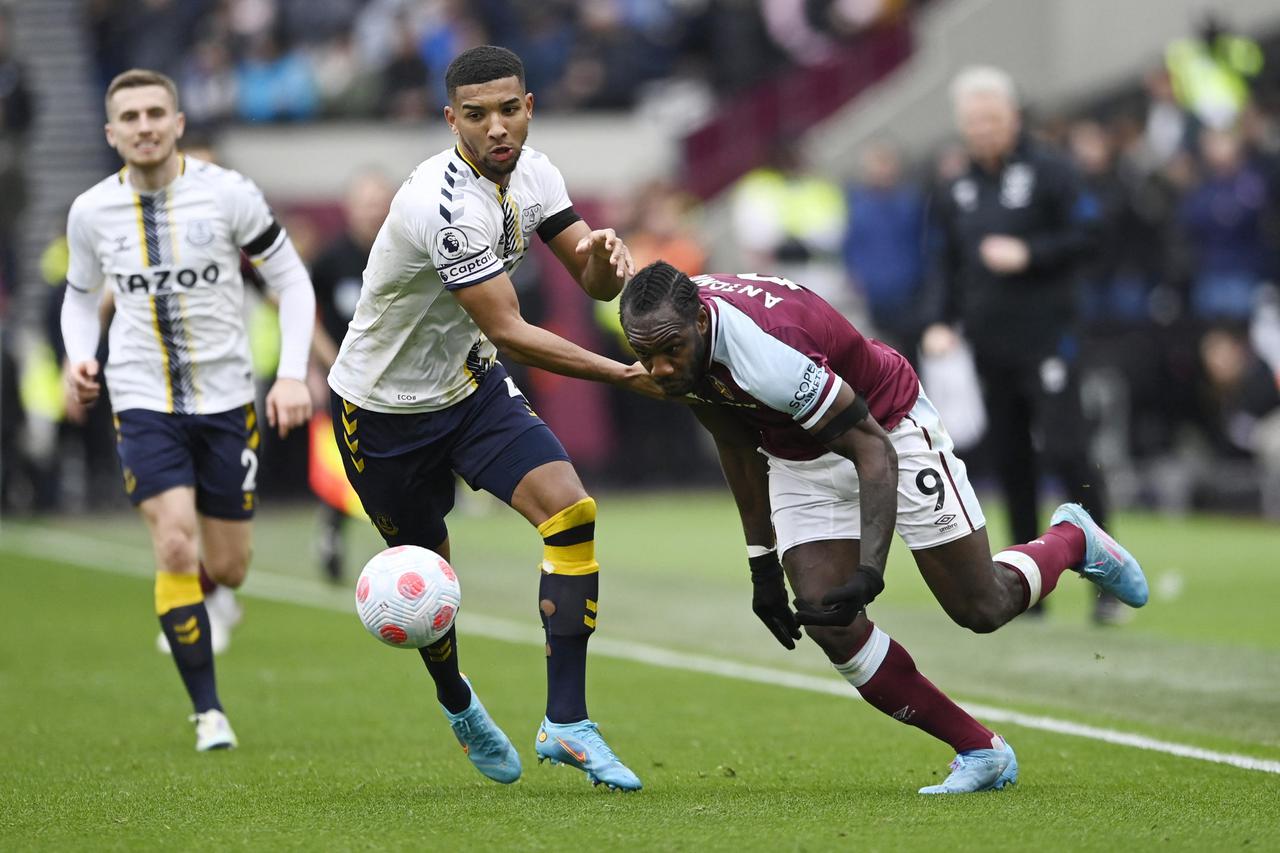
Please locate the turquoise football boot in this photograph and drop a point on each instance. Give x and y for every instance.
(580, 745)
(489, 749)
(979, 770)
(1106, 562)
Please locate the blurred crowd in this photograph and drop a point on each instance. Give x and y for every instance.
(282, 60)
(1177, 306)
(1178, 310)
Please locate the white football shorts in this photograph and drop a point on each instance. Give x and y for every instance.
(818, 499)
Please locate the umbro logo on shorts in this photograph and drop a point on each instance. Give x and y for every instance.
(944, 520)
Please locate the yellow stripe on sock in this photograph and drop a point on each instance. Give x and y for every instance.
(173, 591)
(570, 559)
(582, 512)
(579, 559)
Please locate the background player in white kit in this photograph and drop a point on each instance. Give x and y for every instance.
(165, 235)
(420, 395)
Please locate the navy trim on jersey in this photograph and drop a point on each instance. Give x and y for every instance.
(462, 157)
(150, 229)
(263, 241)
(461, 284)
(557, 222)
(77, 287)
(177, 357)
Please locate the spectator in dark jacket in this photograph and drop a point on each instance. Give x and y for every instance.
(1223, 219)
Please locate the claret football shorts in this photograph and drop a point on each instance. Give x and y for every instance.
(817, 499)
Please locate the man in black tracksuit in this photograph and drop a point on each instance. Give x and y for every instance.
(1010, 233)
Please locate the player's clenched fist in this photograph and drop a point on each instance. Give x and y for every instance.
(82, 384)
(288, 405)
(607, 245)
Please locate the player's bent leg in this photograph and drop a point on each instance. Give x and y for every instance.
(975, 592)
(184, 619)
(941, 520)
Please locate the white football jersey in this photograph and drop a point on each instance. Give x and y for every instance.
(172, 260)
(410, 346)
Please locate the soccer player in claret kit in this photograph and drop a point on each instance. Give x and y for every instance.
(165, 235)
(828, 444)
(419, 394)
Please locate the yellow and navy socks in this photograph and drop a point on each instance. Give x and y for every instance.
(185, 622)
(567, 603)
(441, 658)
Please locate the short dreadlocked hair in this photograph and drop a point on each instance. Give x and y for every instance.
(659, 286)
(480, 65)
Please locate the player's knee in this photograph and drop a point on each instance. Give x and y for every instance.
(176, 551)
(835, 641)
(569, 540)
(228, 569)
(980, 617)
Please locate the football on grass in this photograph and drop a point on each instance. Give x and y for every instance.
(408, 597)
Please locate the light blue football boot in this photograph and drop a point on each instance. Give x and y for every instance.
(979, 770)
(580, 745)
(1106, 562)
(489, 749)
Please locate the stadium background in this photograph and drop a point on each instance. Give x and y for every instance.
(667, 118)
(678, 122)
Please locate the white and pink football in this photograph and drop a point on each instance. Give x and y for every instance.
(408, 596)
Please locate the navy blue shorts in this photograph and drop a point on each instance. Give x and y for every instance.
(403, 467)
(217, 454)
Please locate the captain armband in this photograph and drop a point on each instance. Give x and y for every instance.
(844, 420)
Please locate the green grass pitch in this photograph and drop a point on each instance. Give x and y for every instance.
(343, 746)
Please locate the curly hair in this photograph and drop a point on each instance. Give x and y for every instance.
(657, 286)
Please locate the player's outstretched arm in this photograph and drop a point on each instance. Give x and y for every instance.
(495, 308)
(289, 400)
(747, 475)
(598, 260)
(850, 430)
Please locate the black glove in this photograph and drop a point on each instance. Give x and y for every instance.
(843, 604)
(769, 599)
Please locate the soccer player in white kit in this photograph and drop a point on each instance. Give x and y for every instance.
(420, 397)
(164, 235)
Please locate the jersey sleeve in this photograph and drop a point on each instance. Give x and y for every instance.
(555, 195)
(84, 269)
(253, 226)
(781, 368)
(458, 237)
(557, 209)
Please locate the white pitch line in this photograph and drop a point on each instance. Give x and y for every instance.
(89, 553)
